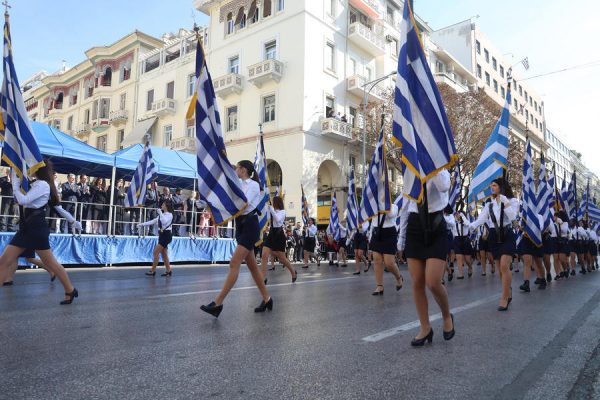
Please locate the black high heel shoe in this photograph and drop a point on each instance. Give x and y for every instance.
(265, 306)
(150, 273)
(401, 283)
(167, 273)
(378, 292)
(450, 335)
(420, 342)
(71, 296)
(295, 276)
(212, 308)
(52, 278)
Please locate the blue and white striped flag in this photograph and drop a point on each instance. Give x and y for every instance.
(493, 160)
(20, 150)
(399, 202)
(420, 126)
(529, 217)
(218, 184)
(559, 195)
(305, 212)
(145, 173)
(352, 214)
(376, 197)
(260, 166)
(544, 194)
(334, 220)
(456, 188)
(570, 197)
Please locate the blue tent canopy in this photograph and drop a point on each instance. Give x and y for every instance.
(175, 168)
(68, 154)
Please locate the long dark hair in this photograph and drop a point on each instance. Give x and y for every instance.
(46, 173)
(505, 188)
(169, 205)
(249, 167)
(562, 215)
(278, 203)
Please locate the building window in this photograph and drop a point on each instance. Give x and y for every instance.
(487, 78)
(394, 47)
(269, 108)
(494, 64)
(329, 107)
(520, 90)
(271, 50)
(330, 56)
(168, 135)
(495, 86)
(526, 114)
(487, 55)
(122, 101)
(352, 161)
(101, 143)
(353, 120)
(502, 71)
(526, 97)
(70, 123)
(120, 137)
(104, 108)
(254, 17)
(242, 23)
(107, 77)
(234, 65)
(280, 5)
(232, 118)
(171, 90)
(190, 84)
(369, 73)
(190, 129)
(503, 92)
(478, 71)
(86, 116)
(125, 74)
(149, 99)
(478, 46)
(95, 110)
(266, 8)
(229, 26)
(73, 99)
(352, 66)
(330, 7)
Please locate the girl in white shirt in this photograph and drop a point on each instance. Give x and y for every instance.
(33, 230)
(310, 241)
(164, 220)
(581, 238)
(561, 257)
(424, 240)
(247, 234)
(462, 244)
(275, 242)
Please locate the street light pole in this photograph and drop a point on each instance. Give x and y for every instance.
(372, 83)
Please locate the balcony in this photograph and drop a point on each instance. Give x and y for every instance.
(187, 144)
(83, 129)
(100, 121)
(228, 84)
(118, 117)
(449, 79)
(163, 107)
(369, 7)
(336, 129)
(265, 71)
(366, 38)
(355, 86)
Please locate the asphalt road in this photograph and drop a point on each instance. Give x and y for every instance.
(134, 337)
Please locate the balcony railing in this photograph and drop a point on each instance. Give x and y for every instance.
(228, 84)
(100, 121)
(355, 85)
(265, 71)
(83, 129)
(118, 116)
(366, 38)
(186, 144)
(164, 107)
(336, 129)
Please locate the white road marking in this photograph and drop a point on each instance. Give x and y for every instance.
(160, 296)
(415, 324)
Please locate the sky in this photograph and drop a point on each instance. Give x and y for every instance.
(553, 34)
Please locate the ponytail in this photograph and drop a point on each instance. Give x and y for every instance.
(249, 167)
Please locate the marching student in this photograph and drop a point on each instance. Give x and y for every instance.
(360, 247)
(581, 238)
(341, 256)
(499, 213)
(484, 250)
(573, 246)
(562, 242)
(532, 257)
(310, 242)
(384, 245)
(424, 240)
(448, 211)
(592, 249)
(462, 244)
(276, 240)
(33, 231)
(164, 221)
(247, 234)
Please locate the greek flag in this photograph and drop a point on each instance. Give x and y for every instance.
(144, 174)
(305, 214)
(279, 192)
(399, 202)
(588, 210)
(456, 188)
(334, 220)
(352, 214)
(544, 194)
(376, 196)
(492, 162)
(218, 183)
(260, 165)
(529, 216)
(420, 126)
(560, 205)
(570, 197)
(20, 150)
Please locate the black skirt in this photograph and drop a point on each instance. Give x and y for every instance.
(593, 248)
(530, 249)
(165, 237)
(483, 245)
(416, 247)
(33, 232)
(550, 245)
(275, 239)
(360, 242)
(247, 231)
(505, 248)
(462, 245)
(573, 246)
(562, 246)
(384, 241)
(309, 244)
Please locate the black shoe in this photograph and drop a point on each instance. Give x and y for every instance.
(548, 278)
(420, 342)
(582, 271)
(265, 281)
(378, 292)
(500, 308)
(71, 296)
(538, 281)
(272, 269)
(356, 273)
(344, 265)
(470, 274)
(516, 270)
(450, 276)
(450, 335)
(330, 263)
(150, 273)
(525, 287)
(483, 274)
(542, 285)
(167, 273)
(9, 283)
(52, 278)
(460, 277)
(573, 272)
(304, 267)
(265, 306)
(213, 309)
(295, 276)
(398, 287)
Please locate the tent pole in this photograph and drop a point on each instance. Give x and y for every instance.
(193, 224)
(112, 199)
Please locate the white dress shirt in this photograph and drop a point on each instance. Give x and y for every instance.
(165, 219)
(563, 228)
(389, 218)
(461, 228)
(37, 196)
(343, 231)
(311, 231)
(450, 222)
(592, 235)
(252, 191)
(278, 217)
(511, 210)
(437, 193)
(580, 234)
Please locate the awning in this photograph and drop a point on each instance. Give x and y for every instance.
(139, 131)
(368, 7)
